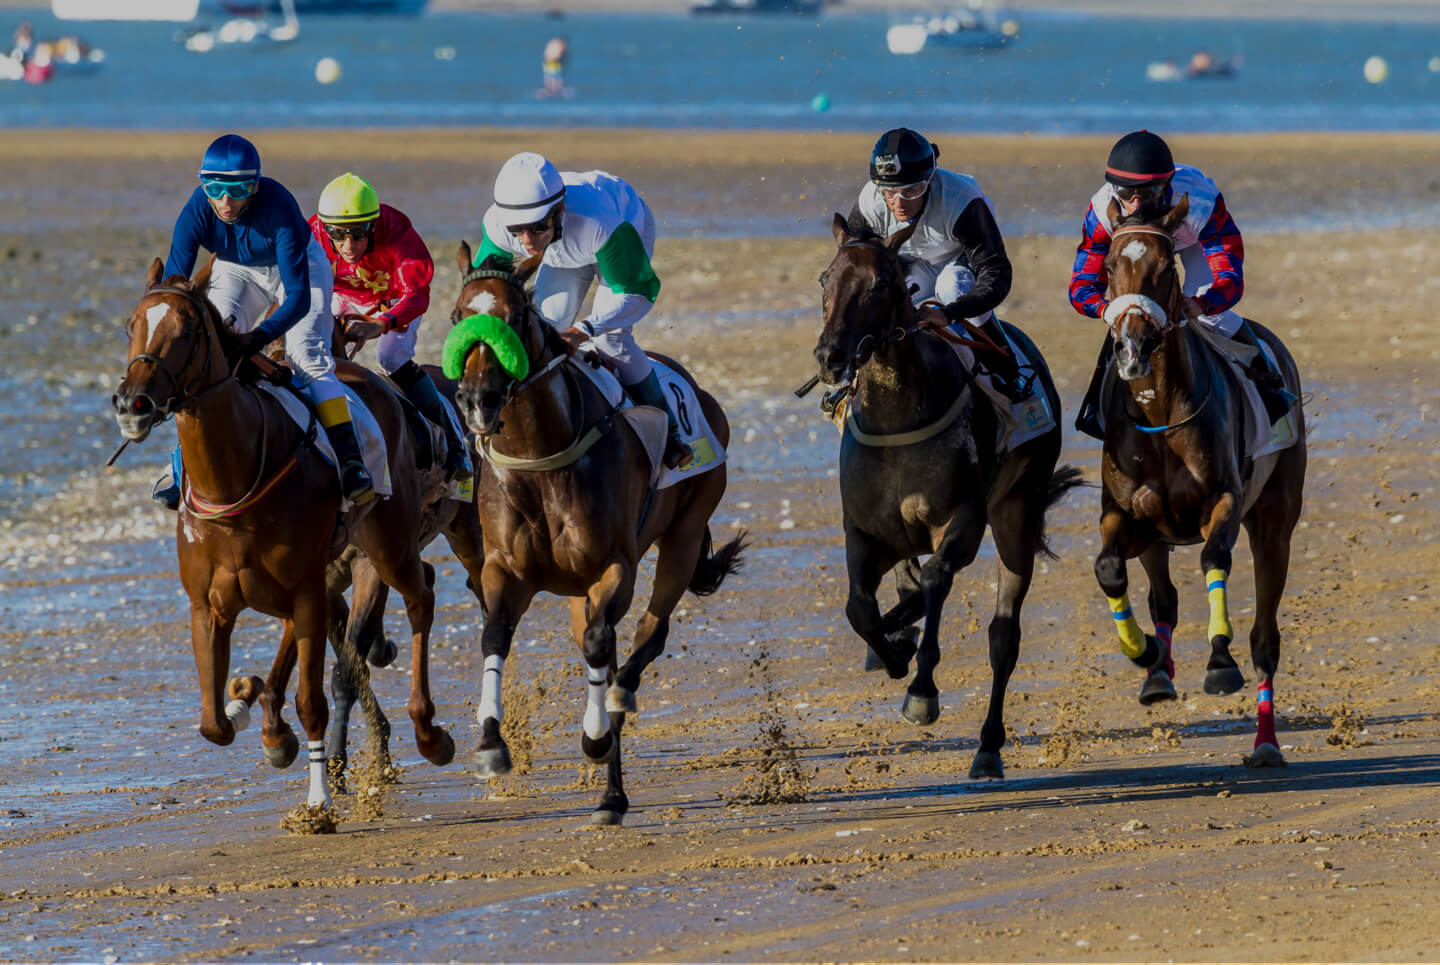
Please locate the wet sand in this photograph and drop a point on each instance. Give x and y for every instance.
(1121, 833)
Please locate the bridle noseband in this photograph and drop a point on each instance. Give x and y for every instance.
(182, 396)
(1124, 305)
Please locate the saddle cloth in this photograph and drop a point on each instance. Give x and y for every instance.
(652, 425)
(372, 440)
(1016, 422)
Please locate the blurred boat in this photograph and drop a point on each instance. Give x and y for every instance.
(244, 31)
(1202, 66)
(705, 7)
(979, 26)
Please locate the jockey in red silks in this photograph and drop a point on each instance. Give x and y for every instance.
(1142, 176)
(382, 287)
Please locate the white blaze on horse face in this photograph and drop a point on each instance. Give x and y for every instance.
(154, 315)
(490, 689)
(482, 303)
(597, 722)
(1135, 250)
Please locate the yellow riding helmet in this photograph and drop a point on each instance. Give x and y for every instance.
(349, 199)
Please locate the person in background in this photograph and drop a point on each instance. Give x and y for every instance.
(557, 52)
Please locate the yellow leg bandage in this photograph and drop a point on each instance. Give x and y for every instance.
(1132, 638)
(1219, 606)
(332, 412)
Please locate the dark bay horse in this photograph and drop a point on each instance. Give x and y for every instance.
(919, 473)
(260, 520)
(578, 529)
(1173, 469)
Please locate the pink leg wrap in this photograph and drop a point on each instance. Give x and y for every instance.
(1265, 715)
(1163, 631)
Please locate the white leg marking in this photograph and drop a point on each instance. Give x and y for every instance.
(319, 779)
(597, 723)
(1135, 250)
(490, 689)
(239, 713)
(154, 317)
(482, 303)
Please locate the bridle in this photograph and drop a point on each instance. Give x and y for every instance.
(183, 396)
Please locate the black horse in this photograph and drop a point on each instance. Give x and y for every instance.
(920, 473)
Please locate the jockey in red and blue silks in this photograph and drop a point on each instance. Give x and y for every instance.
(382, 287)
(265, 255)
(1141, 175)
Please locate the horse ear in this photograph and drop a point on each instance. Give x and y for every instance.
(1112, 212)
(1176, 215)
(840, 229)
(157, 268)
(201, 280)
(463, 256)
(900, 237)
(527, 267)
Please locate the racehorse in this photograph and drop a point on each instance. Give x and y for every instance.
(1173, 469)
(261, 518)
(921, 472)
(562, 515)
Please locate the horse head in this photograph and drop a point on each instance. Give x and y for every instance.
(1146, 301)
(179, 348)
(489, 360)
(864, 296)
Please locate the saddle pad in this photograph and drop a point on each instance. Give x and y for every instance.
(372, 441)
(1016, 422)
(1260, 439)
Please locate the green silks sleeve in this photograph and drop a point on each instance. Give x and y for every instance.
(624, 265)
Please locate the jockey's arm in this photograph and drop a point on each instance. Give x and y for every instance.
(291, 242)
(1088, 279)
(414, 271)
(624, 267)
(1225, 253)
(984, 250)
(185, 241)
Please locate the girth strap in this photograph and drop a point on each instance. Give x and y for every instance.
(914, 435)
(570, 454)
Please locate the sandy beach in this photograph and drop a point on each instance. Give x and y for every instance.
(1122, 833)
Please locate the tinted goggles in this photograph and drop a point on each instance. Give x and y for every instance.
(217, 188)
(907, 192)
(1145, 192)
(356, 232)
(534, 228)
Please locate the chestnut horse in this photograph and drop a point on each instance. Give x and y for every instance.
(578, 530)
(1173, 468)
(920, 473)
(275, 521)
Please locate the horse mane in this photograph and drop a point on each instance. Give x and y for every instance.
(230, 339)
(496, 262)
(859, 229)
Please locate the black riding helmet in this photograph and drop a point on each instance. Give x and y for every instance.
(902, 157)
(1139, 158)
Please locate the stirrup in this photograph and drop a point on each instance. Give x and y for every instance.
(356, 483)
(166, 493)
(678, 453)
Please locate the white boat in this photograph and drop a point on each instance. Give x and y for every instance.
(979, 27)
(179, 10)
(244, 31)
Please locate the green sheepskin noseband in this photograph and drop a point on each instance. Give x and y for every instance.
(493, 332)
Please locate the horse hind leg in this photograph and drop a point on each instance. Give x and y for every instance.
(1164, 601)
(1270, 528)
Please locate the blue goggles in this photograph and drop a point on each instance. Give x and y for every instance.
(217, 189)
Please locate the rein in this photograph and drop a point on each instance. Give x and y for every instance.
(181, 398)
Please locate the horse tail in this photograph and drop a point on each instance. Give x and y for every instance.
(1062, 480)
(712, 567)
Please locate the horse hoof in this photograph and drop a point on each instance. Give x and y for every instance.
(1266, 755)
(620, 700)
(987, 767)
(920, 710)
(604, 818)
(492, 761)
(1224, 680)
(597, 752)
(283, 756)
(873, 661)
(445, 753)
(1157, 687)
(382, 653)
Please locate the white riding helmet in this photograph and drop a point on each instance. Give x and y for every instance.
(526, 188)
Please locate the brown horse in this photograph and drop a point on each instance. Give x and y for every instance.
(1175, 471)
(276, 520)
(921, 473)
(577, 529)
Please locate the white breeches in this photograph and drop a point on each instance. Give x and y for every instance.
(393, 349)
(942, 283)
(246, 294)
(1197, 280)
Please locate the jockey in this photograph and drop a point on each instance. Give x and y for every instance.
(264, 255)
(1141, 175)
(382, 287)
(956, 262)
(590, 225)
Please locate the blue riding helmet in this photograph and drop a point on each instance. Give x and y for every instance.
(230, 158)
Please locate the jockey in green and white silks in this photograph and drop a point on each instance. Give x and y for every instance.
(590, 226)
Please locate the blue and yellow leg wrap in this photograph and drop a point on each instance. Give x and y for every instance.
(1219, 605)
(1132, 639)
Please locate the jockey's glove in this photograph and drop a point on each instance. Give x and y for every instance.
(254, 343)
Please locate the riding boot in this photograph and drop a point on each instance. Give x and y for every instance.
(426, 396)
(647, 391)
(1278, 400)
(355, 481)
(167, 488)
(1004, 369)
(1087, 420)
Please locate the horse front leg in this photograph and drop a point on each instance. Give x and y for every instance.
(608, 599)
(1220, 527)
(506, 598)
(899, 619)
(954, 551)
(866, 561)
(1159, 683)
(210, 635)
(308, 626)
(277, 740)
(1117, 543)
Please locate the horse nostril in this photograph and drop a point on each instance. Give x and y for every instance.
(490, 400)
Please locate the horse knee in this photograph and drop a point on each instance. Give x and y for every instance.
(495, 639)
(598, 646)
(936, 575)
(1110, 573)
(1216, 558)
